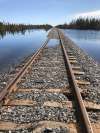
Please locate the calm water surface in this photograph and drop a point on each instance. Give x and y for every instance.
(89, 41)
(14, 47)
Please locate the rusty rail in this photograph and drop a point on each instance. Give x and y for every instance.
(32, 59)
(87, 128)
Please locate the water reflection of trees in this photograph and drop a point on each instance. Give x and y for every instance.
(16, 28)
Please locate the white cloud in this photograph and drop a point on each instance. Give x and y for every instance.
(95, 14)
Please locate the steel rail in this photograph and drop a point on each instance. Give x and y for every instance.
(87, 128)
(32, 59)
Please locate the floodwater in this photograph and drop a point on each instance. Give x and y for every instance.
(88, 40)
(14, 47)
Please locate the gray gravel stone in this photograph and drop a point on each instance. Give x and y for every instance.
(91, 69)
(25, 114)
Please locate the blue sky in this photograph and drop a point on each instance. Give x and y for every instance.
(47, 11)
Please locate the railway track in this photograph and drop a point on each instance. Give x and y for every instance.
(49, 94)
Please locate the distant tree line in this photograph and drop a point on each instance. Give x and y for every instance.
(12, 28)
(82, 23)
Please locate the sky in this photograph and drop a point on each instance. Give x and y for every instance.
(47, 11)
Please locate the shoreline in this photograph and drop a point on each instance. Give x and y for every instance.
(90, 67)
(7, 75)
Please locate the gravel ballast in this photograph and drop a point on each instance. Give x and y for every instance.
(26, 114)
(91, 69)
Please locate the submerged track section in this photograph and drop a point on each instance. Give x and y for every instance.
(47, 95)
